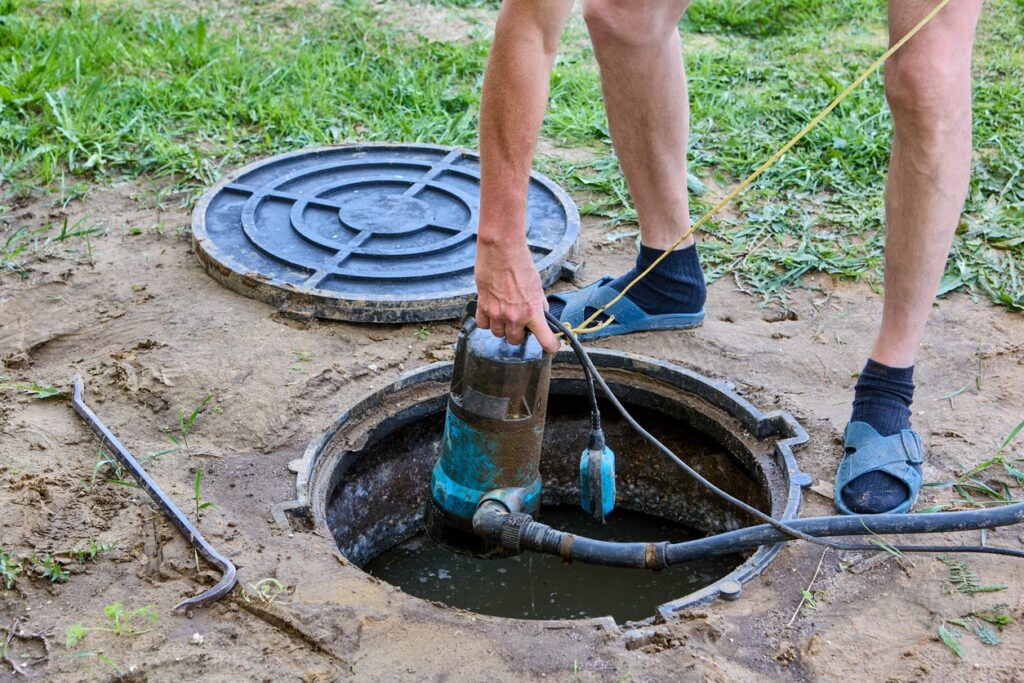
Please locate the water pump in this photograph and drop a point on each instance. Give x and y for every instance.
(493, 433)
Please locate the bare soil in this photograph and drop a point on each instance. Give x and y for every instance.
(152, 334)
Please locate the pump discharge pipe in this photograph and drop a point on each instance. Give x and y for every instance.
(496, 521)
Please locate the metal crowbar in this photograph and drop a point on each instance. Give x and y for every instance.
(191, 534)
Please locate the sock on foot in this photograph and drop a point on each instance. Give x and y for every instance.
(881, 398)
(676, 285)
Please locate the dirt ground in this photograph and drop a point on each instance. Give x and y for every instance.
(152, 334)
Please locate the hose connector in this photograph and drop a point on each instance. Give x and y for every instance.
(495, 523)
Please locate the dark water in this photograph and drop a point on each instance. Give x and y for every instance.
(532, 586)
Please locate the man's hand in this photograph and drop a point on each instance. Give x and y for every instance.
(510, 297)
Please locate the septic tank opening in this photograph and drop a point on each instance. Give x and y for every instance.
(366, 483)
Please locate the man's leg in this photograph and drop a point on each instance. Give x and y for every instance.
(644, 85)
(928, 86)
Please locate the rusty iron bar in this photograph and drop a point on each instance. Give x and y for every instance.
(185, 526)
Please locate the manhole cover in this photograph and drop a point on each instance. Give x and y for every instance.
(367, 233)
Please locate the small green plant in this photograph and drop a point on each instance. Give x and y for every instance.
(881, 543)
(186, 422)
(49, 568)
(10, 569)
(300, 356)
(997, 615)
(1000, 459)
(155, 456)
(985, 633)
(120, 622)
(809, 601)
(963, 578)
(422, 333)
(47, 565)
(104, 460)
(995, 489)
(92, 549)
(266, 591)
(979, 623)
(23, 246)
(197, 486)
(38, 391)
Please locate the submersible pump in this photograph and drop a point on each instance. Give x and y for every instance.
(493, 435)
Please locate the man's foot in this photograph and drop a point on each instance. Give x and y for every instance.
(669, 297)
(881, 468)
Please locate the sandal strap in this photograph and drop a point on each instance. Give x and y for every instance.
(596, 296)
(895, 455)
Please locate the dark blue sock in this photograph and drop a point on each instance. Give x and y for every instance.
(676, 285)
(881, 398)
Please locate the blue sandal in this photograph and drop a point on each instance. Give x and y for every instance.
(900, 456)
(627, 316)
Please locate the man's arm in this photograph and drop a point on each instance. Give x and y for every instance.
(515, 94)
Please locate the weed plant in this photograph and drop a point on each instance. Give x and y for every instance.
(119, 621)
(10, 570)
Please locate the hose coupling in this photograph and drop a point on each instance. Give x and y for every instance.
(512, 530)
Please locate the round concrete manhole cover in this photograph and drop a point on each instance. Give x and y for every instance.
(366, 233)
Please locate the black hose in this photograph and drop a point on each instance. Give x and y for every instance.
(595, 411)
(517, 531)
(584, 359)
(851, 525)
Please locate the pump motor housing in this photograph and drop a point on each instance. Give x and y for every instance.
(494, 425)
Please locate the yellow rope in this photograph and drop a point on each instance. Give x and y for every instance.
(584, 327)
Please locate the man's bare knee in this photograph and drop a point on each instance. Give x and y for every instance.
(928, 82)
(929, 93)
(634, 24)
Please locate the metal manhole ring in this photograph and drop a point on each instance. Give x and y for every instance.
(365, 233)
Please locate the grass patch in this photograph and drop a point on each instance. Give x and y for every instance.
(995, 478)
(22, 246)
(92, 91)
(108, 89)
(46, 565)
(120, 621)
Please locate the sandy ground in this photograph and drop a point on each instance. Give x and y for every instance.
(152, 334)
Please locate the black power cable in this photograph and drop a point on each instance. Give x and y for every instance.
(593, 375)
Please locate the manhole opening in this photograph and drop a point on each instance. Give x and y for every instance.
(370, 491)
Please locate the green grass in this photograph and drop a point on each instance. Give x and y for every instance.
(22, 245)
(120, 622)
(10, 569)
(112, 90)
(98, 90)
